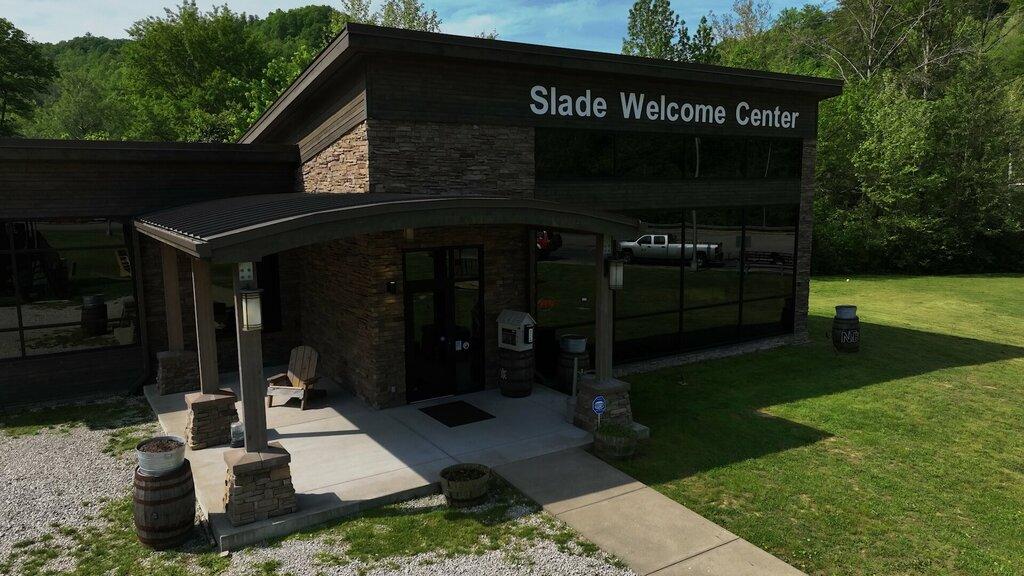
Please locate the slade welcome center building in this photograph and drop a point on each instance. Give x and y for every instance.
(406, 189)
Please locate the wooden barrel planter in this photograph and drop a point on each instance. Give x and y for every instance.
(465, 484)
(165, 507)
(846, 329)
(515, 372)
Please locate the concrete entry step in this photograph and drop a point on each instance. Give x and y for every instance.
(652, 533)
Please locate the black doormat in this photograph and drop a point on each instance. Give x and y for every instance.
(457, 413)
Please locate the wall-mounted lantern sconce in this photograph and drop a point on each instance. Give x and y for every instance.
(252, 314)
(391, 287)
(614, 268)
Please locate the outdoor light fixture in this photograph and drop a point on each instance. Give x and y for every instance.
(252, 315)
(615, 268)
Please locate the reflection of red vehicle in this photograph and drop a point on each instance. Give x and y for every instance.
(547, 242)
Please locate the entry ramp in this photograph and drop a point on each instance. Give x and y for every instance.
(652, 533)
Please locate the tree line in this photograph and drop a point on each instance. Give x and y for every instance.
(919, 161)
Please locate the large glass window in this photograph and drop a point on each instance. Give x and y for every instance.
(64, 286)
(572, 154)
(647, 307)
(564, 280)
(703, 277)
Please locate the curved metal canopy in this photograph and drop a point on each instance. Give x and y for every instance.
(247, 228)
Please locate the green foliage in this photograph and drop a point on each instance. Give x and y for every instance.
(654, 30)
(25, 72)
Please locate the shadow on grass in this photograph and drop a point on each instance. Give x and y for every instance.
(708, 415)
(105, 415)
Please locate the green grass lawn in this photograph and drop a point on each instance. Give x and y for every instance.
(907, 458)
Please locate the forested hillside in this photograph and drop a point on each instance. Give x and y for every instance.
(919, 161)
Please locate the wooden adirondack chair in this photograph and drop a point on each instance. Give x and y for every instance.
(299, 380)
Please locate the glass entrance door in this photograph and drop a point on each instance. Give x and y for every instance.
(443, 322)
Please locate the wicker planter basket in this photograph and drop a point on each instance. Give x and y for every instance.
(465, 484)
(614, 445)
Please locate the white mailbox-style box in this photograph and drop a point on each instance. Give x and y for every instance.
(515, 330)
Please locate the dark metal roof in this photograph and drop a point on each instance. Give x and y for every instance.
(246, 228)
(356, 39)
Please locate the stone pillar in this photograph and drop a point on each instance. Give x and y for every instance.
(258, 484)
(177, 371)
(209, 419)
(617, 407)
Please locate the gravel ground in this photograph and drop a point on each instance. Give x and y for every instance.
(535, 557)
(55, 477)
(60, 477)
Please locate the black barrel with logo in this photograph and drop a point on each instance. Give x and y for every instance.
(165, 507)
(846, 329)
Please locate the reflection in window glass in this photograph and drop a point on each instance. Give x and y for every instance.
(574, 154)
(785, 159)
(8, 302)
(709, 326)
(647, 306)
(564, 154)
(766, 317)
(565, 282)
(419, 265)
(70, 285)
(10, 344)
(711, 274)
(770, 252)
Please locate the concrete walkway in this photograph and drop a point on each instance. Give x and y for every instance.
(650, 532)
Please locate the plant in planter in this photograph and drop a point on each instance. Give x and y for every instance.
(465, 484)
(615, 441)
(160, 455)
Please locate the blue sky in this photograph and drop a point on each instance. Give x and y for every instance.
(587, 24)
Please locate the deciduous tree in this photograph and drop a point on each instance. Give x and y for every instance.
(25, 72)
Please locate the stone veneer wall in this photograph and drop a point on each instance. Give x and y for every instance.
(804, 235)
(359, 329)
(436, 158)
(341, 167)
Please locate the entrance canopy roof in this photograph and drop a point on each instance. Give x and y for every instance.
(246, 228)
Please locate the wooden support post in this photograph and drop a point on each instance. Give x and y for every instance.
(250, 373)
(604, 333)
(206, 330)
(172, 299)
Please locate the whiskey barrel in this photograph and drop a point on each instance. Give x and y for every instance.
(165, 507)
(846, 334)
(515, 372)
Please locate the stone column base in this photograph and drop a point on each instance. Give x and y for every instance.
(178, 371)
(617, 407)
(258, 484)
(209, 419)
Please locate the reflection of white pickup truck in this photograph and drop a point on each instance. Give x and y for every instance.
(664, 247)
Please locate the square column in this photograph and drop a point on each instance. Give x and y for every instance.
(259, 480)
(604, 332)
(206, 329)
(211, 410)
(177, 368)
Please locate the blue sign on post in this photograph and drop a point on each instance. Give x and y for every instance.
(598, 405)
